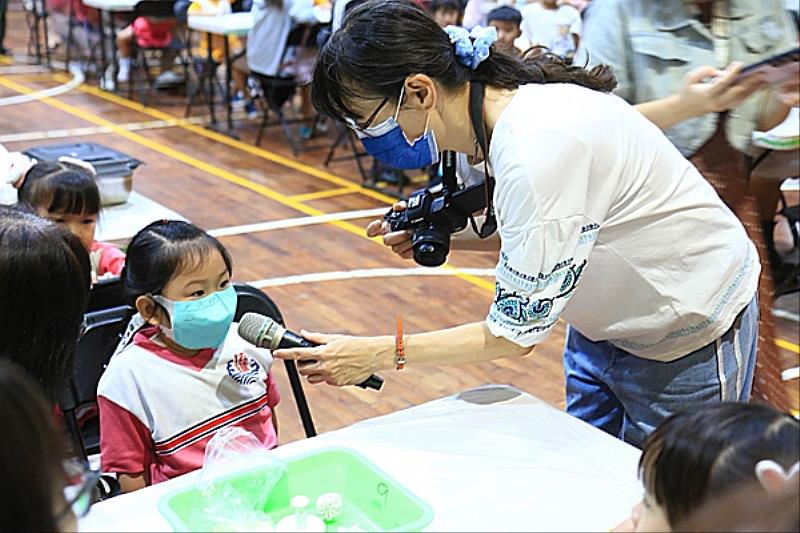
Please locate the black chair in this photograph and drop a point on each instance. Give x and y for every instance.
(348, 137)
(104, 329)
(105, 294)
(279, 89)
(252, 300)
(161, 9)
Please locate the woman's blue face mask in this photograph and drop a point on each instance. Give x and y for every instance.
(388, 143)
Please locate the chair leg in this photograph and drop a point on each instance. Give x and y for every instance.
(263, 126)
(300, 398)
(334, 146)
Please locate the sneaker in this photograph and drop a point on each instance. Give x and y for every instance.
(167, 78)
(124, 73)
(4, 51)
(251, 109)
(237, 102)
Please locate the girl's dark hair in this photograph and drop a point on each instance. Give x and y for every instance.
(709, 448)
(60, 187)
(31, 455)
(382, 42)
(45, 277)
(160, 250)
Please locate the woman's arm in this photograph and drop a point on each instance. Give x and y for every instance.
(346, 360)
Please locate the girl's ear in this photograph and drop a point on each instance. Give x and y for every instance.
(773, 477)
(151, 312)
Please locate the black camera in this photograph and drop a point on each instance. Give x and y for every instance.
(433, 214)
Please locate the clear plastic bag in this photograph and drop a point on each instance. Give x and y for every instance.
(237, 503)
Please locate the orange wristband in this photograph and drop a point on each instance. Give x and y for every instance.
(399, 351)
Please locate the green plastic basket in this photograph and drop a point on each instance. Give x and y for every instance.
(372, 500)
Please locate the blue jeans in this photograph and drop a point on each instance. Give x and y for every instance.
(628, 396)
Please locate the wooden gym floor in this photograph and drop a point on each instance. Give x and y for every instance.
(216, 182)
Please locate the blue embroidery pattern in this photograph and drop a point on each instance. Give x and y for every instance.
(519, 309)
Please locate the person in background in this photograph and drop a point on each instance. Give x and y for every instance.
(45, 275)
(188, 354)
(446, 12)
(149, 32)
(662, 53)
(66, 192)
(507, 21)
(42, 489)
(543, 24)
(476, 11)
(706, 450)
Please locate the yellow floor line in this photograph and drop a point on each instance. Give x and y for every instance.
(330, 193)
(234, 143)
(215, 170)
(786, 345)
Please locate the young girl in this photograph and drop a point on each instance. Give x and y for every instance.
(708, 449)
(66, 192)
(187, 373)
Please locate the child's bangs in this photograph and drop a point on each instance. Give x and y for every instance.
(193, 253)
(77, 200)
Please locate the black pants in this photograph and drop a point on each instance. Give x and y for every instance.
(3, 8)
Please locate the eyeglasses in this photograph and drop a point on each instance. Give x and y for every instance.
(78, 494)
(367, 123)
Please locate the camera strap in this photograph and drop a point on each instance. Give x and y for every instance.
(477, 92)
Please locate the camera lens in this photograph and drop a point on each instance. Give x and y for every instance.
(431, 244)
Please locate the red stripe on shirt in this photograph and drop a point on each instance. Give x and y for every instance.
(212, 424)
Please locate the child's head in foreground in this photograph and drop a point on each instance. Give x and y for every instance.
(705, 450)
(180, 277)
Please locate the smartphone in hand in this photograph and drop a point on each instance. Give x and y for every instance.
(774, 70)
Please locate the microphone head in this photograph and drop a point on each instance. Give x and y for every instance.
(261, 330)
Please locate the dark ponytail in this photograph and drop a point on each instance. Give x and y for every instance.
(382, 42)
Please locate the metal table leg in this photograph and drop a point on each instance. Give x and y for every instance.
(210, 68)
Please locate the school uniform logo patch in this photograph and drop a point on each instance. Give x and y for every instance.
(243, 369)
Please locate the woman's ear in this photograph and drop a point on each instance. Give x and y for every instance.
(151, 312)
(421, 92)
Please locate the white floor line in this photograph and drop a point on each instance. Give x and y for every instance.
(368, 273)
(790, 373)
(296, 222)
(77, 79)
(96, 130)
(788, 315)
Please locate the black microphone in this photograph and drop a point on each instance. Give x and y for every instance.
(264, 332)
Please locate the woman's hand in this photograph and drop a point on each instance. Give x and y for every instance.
(340, 359)
(698, 96)
(788, 93)
(399, 241)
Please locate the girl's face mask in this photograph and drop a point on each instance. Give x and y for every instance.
(202, 323)
(388, 143)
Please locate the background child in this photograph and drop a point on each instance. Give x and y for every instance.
(706, 450)
(149, 32)
(542, 22)
(66, 192)
(507, 21)
(187, 373)
(446, 12)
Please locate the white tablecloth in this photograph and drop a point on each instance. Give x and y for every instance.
(482, 463)
(114, 6)
(230, 24)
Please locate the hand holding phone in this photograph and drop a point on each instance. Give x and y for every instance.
(774, 70)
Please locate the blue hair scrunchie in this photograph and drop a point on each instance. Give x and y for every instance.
(472, 48)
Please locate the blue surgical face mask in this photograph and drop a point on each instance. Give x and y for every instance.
(387, 142)
(202, 323)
